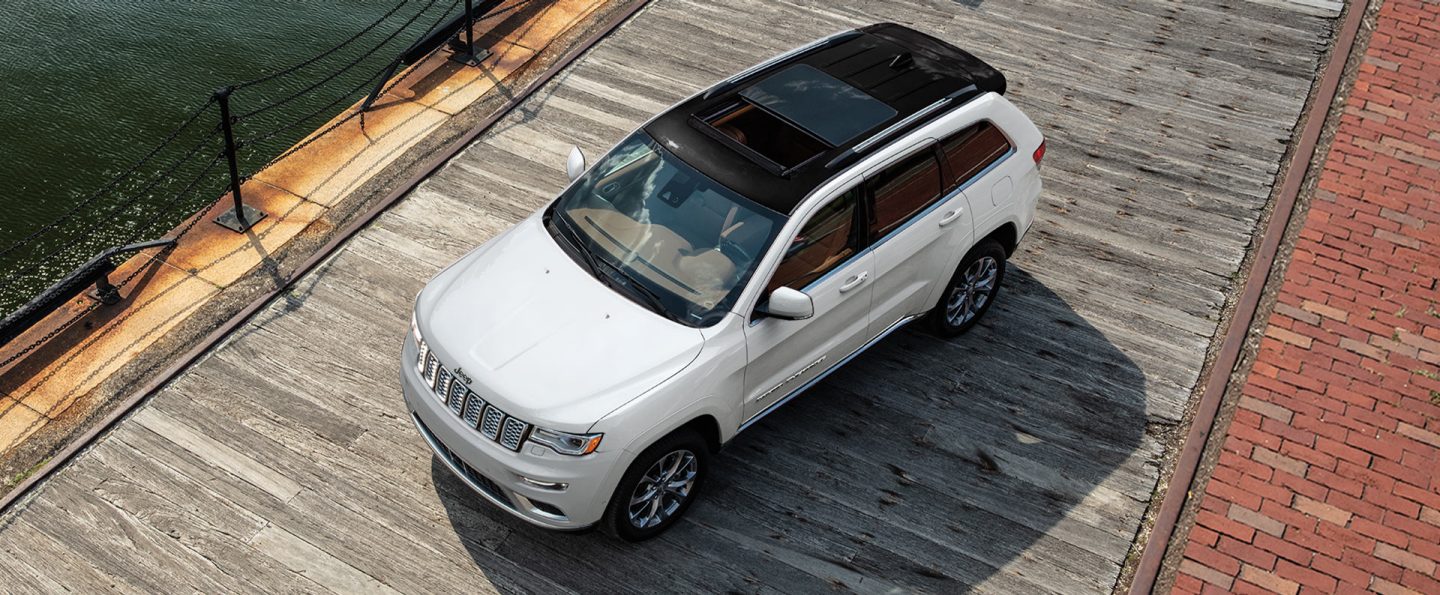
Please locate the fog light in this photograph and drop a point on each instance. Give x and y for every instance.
(544, 485)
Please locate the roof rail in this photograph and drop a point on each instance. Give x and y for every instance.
(818, 44)
(968, 92)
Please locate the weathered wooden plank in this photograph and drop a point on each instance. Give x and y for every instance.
(31, 551)
(218, 453)
(315, 564)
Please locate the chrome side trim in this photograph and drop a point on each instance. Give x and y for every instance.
(786, 399)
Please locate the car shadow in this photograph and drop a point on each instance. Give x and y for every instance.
(1006, 459)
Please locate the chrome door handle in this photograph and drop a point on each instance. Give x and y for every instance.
(854, 282)
(951, 216)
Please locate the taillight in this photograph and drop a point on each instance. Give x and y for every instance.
(1040, 153)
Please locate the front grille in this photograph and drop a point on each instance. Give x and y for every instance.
(490, 421)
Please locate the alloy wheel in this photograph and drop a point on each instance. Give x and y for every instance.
(972, 291)
(663, 488)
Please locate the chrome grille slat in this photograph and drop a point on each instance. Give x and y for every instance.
(442, 383)
(456, 400)
(490, 424)
(490, 421)
(431, 364)
(474, 405)
(513, 433)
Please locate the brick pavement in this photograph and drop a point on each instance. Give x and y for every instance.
(1329, 477)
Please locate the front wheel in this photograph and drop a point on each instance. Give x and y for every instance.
(658, 487)
(972, 290)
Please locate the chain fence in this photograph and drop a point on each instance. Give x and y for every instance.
(229, 136)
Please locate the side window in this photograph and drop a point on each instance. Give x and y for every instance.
(825, 241)
(970, 151)
(903, 190)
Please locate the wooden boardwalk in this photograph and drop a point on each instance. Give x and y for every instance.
(1019, 458)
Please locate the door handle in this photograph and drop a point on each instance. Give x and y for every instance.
(855, 281)
(951, 216)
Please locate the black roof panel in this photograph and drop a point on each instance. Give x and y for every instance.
(902, 70)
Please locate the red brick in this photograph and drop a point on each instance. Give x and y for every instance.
(1340, 570)
(1389, 535)
(1323, 511)
(1403, 558)
(1256, 519)
(1270, 410)
(1306, 576)
(1186, 584)
(1384, 587)
(1375, 566)
(1225, 526)
(1246, 553)
(1233, 493)
(1335, 482)
(1412, 493)
(1420, 583)
(1223, 580)
(1268, 580)
(1279, 461)
(1203, 536)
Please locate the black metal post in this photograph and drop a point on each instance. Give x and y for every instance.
(240, 217)
(466, 53)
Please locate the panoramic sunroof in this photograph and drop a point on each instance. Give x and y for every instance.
(821, 104)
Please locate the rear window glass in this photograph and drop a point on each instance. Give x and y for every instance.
(819, 103)
(970, 151)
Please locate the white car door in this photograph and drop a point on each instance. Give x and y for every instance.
(916, 228)
(824, 260)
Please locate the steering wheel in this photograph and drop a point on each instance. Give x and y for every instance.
(735, 252)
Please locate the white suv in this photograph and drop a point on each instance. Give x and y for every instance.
(582, 367)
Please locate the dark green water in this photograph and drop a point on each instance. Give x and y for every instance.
(87, 87)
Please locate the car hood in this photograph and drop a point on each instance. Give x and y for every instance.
(544, 340)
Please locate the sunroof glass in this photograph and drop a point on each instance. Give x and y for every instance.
(821, 104)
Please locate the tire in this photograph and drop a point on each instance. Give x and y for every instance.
(692, 455)
(979, 276)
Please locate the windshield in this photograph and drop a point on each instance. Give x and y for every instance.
(690, 242)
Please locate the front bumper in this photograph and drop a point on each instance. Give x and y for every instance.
(495, 472)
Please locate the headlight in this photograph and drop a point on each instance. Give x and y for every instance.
(415, 328)
(565, 443)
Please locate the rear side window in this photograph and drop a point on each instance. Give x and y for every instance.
(902, 190)
(827, 240)
(970, 151)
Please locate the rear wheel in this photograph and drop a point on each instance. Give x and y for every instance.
(658, 487)
(972, 290)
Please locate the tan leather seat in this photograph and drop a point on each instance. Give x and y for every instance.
(710, 272)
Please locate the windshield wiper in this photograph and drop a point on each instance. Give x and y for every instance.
(648, 294)
(573, 238)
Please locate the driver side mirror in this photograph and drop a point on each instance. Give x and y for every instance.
(788, 304)
(575, 163)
